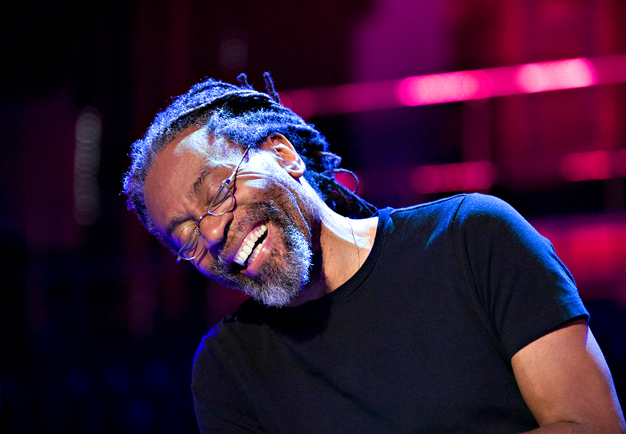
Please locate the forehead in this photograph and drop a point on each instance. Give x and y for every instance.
(195, 142)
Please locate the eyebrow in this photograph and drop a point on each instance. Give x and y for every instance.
(194, 192)
(196, 189)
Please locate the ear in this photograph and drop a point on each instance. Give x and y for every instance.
(286, 154)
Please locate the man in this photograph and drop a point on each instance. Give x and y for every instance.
(451, 316)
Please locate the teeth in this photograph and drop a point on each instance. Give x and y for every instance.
(256, 252)
(247, 246)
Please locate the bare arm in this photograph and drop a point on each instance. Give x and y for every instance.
(566, 383)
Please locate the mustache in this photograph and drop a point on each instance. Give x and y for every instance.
(263, 211)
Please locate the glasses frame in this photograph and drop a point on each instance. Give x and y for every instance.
(225, 190)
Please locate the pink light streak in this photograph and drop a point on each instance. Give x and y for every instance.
(557, 75)
(457, 86)
(447, 87)
(593, 248)
(593, 165)
(441, 178)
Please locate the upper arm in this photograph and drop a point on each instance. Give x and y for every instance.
(513, 273)
(563, 377)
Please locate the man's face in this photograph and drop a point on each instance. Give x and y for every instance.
(261, 247)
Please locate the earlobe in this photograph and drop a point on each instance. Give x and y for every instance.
(286, 153)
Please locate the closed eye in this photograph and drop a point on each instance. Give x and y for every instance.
(222, 194)
(182, 235)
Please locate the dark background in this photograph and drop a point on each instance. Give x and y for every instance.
(99, 325)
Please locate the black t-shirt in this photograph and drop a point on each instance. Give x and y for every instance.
(418, 340)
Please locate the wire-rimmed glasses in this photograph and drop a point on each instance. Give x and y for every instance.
(223, 202)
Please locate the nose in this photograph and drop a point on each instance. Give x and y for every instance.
(214, 230)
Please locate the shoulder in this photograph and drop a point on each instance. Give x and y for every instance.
(457, 206)
(441, 206)
(488, 219)
(421, 216)
(478, 206)
(461, 212)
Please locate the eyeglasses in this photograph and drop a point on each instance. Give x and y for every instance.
(223, 202)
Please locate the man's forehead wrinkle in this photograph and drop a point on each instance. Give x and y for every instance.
(196, 188)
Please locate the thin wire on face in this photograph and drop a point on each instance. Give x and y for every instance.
(223, 202)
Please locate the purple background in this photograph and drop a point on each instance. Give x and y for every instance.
(99, 325)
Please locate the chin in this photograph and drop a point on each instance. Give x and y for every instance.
(285, 270)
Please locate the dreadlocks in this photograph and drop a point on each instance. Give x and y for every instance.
(247, 117)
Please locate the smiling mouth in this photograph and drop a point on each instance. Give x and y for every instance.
(251, 246)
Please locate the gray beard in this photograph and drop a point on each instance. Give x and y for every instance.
(284, 274)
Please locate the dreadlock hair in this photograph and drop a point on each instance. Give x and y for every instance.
(246, 117)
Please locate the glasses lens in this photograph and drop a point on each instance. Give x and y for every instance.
(222, 202)
(191, 247)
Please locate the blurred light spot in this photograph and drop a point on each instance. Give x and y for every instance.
(619, 163)
(301, 101)
(471, 176)
(447, 87)
(87, 166)
(560, 74)
(156, 374)
(585, 166)
(141, 412)
(233, 54)
(117, 377)
(77, 380)
(593, 248)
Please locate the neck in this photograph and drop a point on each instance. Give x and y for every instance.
(343, 247)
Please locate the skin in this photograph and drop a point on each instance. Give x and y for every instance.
(566, 383)
(274, 165)
(562, 376)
